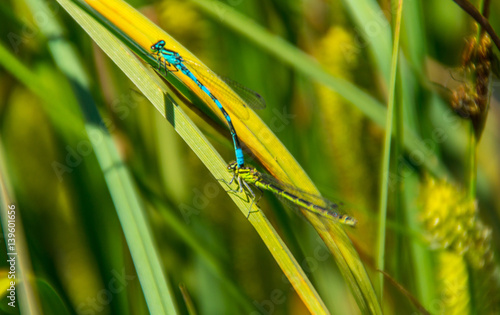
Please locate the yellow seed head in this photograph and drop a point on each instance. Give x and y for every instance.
(452, 222)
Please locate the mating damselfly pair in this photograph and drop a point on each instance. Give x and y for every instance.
(172, 61)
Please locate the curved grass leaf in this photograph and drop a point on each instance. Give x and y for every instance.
(122, 191)
(274, 156)
(384, 182)
(143, 33)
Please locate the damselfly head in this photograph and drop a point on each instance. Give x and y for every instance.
(159, 45)
(232, 166)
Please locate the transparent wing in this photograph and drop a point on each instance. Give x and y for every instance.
(337, 207)
(250, 97)
(335, 212)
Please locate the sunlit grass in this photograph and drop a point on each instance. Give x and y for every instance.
(124, 214)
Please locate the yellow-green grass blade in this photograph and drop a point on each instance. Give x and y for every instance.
(269, 150)
(155, 90)
(122, 191)
(384, 186)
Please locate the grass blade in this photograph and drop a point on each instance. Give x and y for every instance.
(384, 186)
(123, 193)
(143, 34)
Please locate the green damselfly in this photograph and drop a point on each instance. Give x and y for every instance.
(248, 175)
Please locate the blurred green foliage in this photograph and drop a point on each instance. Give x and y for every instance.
(75, 241)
